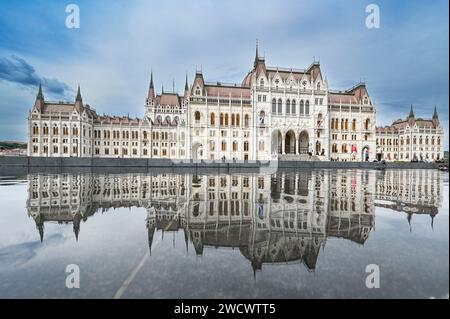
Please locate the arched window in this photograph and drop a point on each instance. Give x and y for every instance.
(307, 108)
(288, 106)
(226, 119)
(332, 124)
(280, 106)
(221, 119)
(293, 107)
(235, 146)
(302, 108)
(274, 105)
(246, 120)
(197, 116)
(35, 130)
(245, 146)
(224, 146)
(318, 86)
(354, 125)
(346, 124)
(168, 119)
(233, 120)
(213, 119)
(438, 141)
(367, 124)
(238, 120)
(261, 83)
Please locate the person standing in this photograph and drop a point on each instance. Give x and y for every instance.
(379, 153)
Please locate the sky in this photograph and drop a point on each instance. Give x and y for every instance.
(404, 62)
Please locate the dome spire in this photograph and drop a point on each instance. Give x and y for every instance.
(256, 54)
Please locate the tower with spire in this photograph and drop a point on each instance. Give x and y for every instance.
(435, 118)
(411, 117)
(39, 102)
(151, 91)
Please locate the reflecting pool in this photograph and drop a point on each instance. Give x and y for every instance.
(292, 234)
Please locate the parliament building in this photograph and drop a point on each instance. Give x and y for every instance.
(274, 114)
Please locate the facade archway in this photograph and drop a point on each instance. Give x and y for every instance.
(289, 143)
(303, 142)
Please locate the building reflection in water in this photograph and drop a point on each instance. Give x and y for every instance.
(281, 218)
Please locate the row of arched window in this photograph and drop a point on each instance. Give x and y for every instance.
(290, 107)
(344, 124)
(224, 119)
(235, 145)
(55, 130)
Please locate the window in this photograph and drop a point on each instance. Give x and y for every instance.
(293, 107)
(213, 119)
(246, 120)
(274, 106)
(261, 83)
(221, 119)
(246, 147)
(235, 146)
(354, 125)
(318, 86)
(302, 108)
(197, 116)
(280, 106)
(224, 146)
(307, 108)
(288, 106)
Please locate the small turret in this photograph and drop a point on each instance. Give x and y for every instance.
(186, 88)
(151, 89)
(39, 103)
(411, 118)
(78, 100)
(435, 118)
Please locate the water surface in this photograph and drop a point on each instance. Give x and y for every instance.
(294, 234)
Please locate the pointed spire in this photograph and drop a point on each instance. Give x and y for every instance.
(40, 228)
(78, 98)
(435, 113)
(411, 112)
(162, 89)
(40, 96)
(256, 55)
(151, 89)
(186, 85)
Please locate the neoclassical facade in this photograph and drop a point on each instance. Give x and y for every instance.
(413, 138)
(275, 113)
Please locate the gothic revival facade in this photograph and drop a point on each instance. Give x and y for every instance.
(414, 139)
(279, 218)
(275, 113)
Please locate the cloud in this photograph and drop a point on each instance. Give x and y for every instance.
(16, 70)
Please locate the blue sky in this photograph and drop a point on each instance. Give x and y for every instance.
(403, 62)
